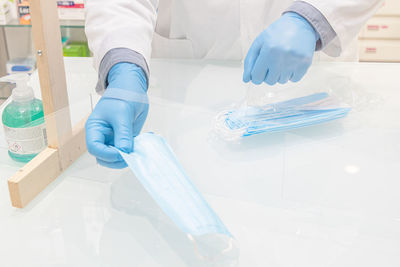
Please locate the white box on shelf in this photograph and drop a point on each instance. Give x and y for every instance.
(390, 8)
(381, 28)
(71, 10)
(379, 50)
(21, 65)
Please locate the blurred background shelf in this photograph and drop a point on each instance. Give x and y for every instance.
(80, 24)
(16, 31)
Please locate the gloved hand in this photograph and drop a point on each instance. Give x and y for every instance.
(118, 116)
(282, 52)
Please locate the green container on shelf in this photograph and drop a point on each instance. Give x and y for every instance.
(76, 49)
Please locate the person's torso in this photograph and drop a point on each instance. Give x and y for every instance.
(217, 29)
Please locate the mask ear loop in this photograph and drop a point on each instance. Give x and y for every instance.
(226, 250)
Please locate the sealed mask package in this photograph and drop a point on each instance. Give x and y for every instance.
(280, 116)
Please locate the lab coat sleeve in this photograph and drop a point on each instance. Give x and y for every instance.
(346, 17)
(115, 56)
(116, 24)
(317, 20)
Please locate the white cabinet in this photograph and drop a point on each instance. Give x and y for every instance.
(390, 8)
(380, 37)
(379, 50)
(381, 28)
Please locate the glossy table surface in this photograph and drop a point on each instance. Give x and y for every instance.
(327, 195)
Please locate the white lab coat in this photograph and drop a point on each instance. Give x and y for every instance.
(219, 29)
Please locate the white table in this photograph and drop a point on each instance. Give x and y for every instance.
(327, 195)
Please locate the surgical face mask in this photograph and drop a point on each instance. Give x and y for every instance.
(295, 113)
(158, 170)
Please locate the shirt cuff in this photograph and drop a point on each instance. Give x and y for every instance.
(317, 20)
(118, 55)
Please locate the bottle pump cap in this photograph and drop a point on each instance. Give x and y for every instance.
(22, 92)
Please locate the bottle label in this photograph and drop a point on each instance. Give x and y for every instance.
(25, 141)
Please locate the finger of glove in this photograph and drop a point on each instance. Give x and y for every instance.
(261, 67)
(285, 77)
(96, 136)
(139, 122)
(250, 60)
(113, 165)
(273, 74)
(299, 74)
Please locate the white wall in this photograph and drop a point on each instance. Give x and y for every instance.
(19, 41)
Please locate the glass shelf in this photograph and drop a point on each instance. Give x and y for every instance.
(63, 23)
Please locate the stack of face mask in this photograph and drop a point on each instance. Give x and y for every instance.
(281, 116)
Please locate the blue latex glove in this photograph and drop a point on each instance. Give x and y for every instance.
(282, 52)
(118, 116)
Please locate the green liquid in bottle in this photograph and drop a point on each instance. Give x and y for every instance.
(23, 115)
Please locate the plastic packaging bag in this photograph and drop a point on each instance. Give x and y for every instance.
(285, 107)
(299, 112)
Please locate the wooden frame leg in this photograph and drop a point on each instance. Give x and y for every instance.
(33, 178)
(3, 52)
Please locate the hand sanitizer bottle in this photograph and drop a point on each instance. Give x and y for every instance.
(23, 121)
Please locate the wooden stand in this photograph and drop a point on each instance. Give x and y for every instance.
(65, 143)
(3, 52)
